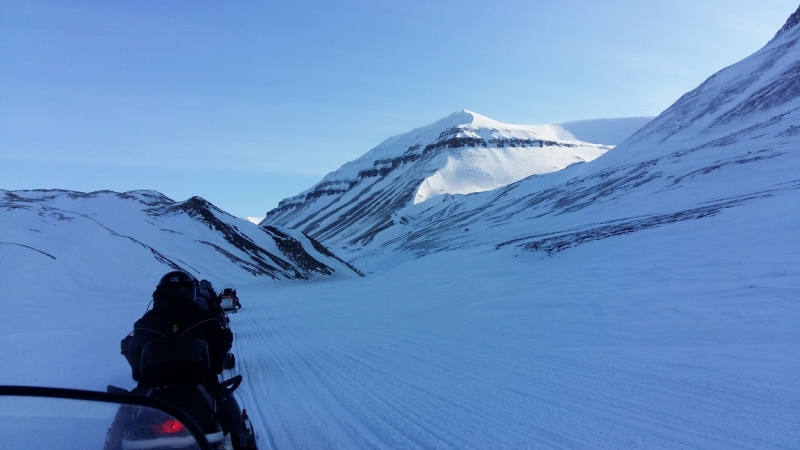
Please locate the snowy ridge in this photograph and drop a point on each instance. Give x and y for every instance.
(460, 154)
(748, 92)
(791, 22)
(731, 142)
(154, 231)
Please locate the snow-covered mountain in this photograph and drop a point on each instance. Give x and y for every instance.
(603, 131)
(460, 154)
(255, 220)
(646, 299)
(732, 141)
(52, 233)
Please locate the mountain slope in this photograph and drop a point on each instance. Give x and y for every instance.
(462, 153)
(54, 231)
(731, 142)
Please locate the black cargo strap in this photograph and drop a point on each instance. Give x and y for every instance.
(198, 323)
(151, 330)
(182, 333)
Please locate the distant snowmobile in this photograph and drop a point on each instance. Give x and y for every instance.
(229, 301)
(230, 361)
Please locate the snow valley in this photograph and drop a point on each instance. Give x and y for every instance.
(643, 295)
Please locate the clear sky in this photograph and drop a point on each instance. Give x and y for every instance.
(246, 103)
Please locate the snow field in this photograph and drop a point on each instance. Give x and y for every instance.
(680, 339)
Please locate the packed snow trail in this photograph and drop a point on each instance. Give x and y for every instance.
(537, 355)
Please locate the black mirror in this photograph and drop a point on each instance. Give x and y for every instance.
(55, 419)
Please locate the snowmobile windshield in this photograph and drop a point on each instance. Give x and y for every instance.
(55, 419)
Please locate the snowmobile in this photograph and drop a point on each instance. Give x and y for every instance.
(229, 301)
(59, 419)
(172, 370)
(230, 361)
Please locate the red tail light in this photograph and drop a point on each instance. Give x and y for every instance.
(169, 426)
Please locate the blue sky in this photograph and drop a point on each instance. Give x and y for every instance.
(247, 103)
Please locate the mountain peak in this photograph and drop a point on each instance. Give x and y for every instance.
(465, 116)
(468, 118)
(791, 22)
(462, 153)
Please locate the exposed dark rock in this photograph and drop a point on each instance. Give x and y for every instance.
(28, 247)
(254, 269)
(322, 249)
(294, 250)
(555, 242)
(293, 263)
(203, 211)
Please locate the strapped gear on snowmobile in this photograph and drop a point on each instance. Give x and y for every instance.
(177, 370)
(176, 351)
(229, 301)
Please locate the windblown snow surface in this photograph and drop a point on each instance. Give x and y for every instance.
(647, 299)
(678, 338)
(602, 131)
